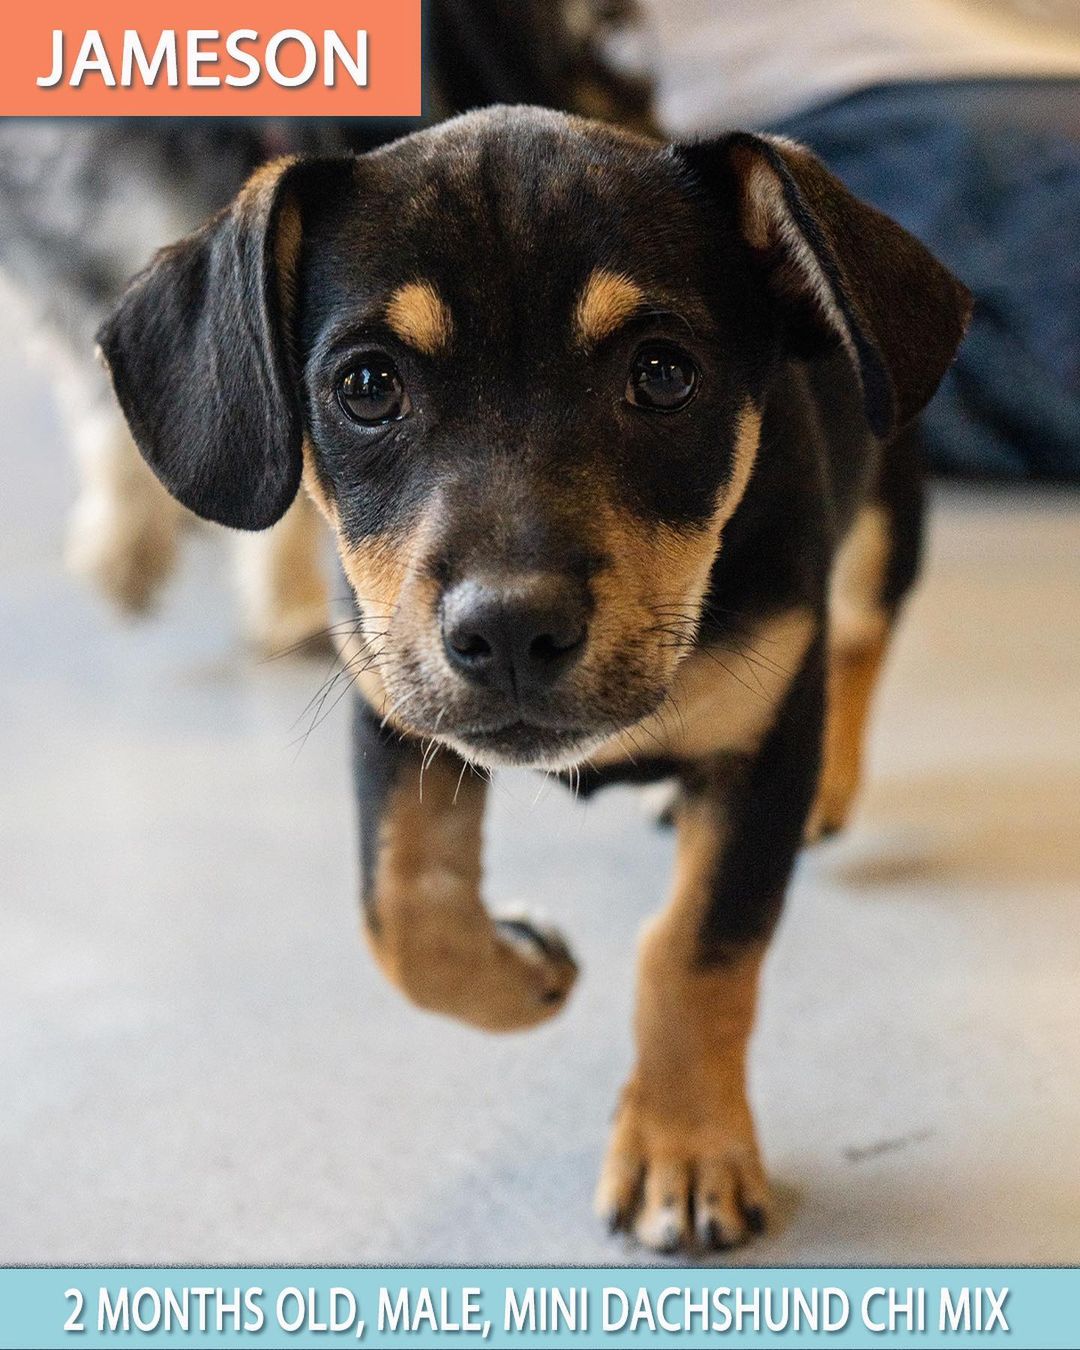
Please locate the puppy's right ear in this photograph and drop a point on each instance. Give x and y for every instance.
(199, 350)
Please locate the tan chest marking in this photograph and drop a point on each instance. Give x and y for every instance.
(722, 699)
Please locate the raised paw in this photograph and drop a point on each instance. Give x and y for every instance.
(545, 961)
(672, 1186)
(504, 974)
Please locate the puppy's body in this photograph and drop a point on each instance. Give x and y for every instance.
(613, 440)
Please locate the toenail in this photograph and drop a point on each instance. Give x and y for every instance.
(714, 1237)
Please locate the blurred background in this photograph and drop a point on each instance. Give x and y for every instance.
(198, 1062)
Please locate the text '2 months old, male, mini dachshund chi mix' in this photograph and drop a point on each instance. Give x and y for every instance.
(614, 438)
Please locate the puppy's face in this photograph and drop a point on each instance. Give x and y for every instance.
(530, 399)
(519, 362)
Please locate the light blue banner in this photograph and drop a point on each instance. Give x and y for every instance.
(41, 1309)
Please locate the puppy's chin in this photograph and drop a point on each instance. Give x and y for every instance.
(525, 746)
(552, 734)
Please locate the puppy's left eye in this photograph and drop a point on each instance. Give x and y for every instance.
(663, 378)
(372, 391)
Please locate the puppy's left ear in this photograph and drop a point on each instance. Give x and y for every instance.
(199, 350)
(839, 266)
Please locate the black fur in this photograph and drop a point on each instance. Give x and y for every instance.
(519, 434)
(763, 803)
(84, 202)
(200, 357)
(381, 760)
(880, 278)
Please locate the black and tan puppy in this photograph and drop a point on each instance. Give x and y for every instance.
(613, 439)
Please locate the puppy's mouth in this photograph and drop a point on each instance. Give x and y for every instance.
(525, 743)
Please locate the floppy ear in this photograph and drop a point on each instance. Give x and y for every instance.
(200, 358)
(840, 268)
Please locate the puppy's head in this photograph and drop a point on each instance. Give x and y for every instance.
(519, 362)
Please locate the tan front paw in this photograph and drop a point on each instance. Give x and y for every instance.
(508, 976)
(671, 1182)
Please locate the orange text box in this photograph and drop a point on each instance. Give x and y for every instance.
(227, 58)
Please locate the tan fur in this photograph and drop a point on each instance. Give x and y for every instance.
(762, 200)
(263, 180)
(853, 676)
(858, 636)
(857, 618)
(430, 933)
(665, 572)
(767, 223)
(313, 486)
(419, 317)
(255, 198)
(398, 600)
(378, 570)
(683, 1139)
(744, 457)
(287, 254)
(607, 300)
(721, 699)
(762, 208)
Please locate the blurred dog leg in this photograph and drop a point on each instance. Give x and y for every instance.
(858, 636)
(281, 581)
(124, 528)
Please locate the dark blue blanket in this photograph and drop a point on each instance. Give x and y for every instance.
(987, 174)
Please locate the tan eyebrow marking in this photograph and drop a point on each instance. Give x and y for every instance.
(606, 300)
(419, 317)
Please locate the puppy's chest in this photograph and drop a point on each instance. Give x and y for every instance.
(724, 698)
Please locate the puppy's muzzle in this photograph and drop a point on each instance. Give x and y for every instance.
(516, 636)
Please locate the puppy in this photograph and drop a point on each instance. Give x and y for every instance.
(615, 441)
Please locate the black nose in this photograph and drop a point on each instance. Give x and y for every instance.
(516, 636)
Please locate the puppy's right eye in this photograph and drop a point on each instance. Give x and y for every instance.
(372, 391)
(663, 378)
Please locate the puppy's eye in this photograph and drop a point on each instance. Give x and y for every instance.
(663, 378)
(372, 391)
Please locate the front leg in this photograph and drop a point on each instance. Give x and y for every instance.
(683, 1157)
(421, 867)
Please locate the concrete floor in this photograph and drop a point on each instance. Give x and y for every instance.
(198, 1062)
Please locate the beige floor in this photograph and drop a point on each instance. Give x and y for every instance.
(198, 1062)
